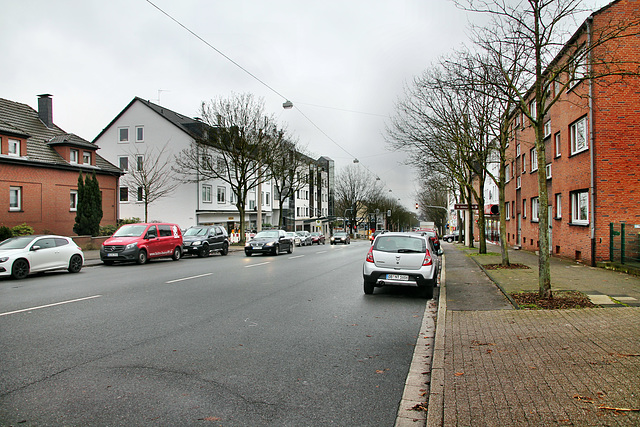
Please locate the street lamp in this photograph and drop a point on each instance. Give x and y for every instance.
(287, 105)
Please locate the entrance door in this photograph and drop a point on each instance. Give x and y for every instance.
(519, 232)
(550, 229)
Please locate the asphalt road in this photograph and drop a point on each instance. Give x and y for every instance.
(232, 341)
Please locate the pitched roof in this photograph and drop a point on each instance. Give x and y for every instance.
(193, 127)
(22, 120)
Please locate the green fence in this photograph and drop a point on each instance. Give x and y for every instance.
(624, 243)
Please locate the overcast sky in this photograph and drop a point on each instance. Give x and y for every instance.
(342, 63)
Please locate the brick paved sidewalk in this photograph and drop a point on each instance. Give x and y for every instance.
(552, 367)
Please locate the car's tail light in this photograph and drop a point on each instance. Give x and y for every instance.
(427, 258)
(370, 255)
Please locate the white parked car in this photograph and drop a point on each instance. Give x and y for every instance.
(20, 256)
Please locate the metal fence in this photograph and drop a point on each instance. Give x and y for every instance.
(624, 243)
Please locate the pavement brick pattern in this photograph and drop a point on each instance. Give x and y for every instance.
(539, 368)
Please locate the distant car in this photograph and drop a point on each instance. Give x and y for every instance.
(401, 259)
(433, 235)
(201, 240)
(294, 237)
(269, 242)
(340, 237)
(373, 235)
(20, 256)
(451, 237)
(142, 242)
(317, 238)
(305, 238)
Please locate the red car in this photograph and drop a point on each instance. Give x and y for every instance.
(433, 235)
(317, 238)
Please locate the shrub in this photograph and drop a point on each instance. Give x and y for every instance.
(5, 233)
(124, 221)
(108, 230)
(22, 230)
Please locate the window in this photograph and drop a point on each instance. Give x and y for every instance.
(524, 162)
(507, 210)
(222, 195)
(507, 173)
(548, 170)
(518, 182)
(221, 165)
(524, 208)
(123, 134)
(578, 135)
(517, 150)
(139, 133)
(124, 194)
(73, 200)
(139, 162)
(14, 147)
(547, 129)
(86, 157)
(535, 206)
(268, 199)
(513, 209)
(532, 109)
(558, 205)
(556, 139)
(252, 204)
(124, 163)
(580, 68)
(140, 194)
(15, 198)
(534, 160)
(165, 231)
(580, 207)
(206, 191)
(73, 156)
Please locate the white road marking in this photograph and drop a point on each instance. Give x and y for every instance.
(321, 252)
(49, 305)
(255, 265)
(188, 278)
(297, 256)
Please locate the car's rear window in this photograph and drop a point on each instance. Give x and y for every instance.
(399, 244)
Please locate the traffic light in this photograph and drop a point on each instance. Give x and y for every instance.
(416, 206)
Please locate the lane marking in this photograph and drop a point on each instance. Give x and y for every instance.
(49, 305)
(255, 265)
(188, 278)
(297, 256)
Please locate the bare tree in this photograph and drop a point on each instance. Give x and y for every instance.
(235, 147)
(151, 177)
(354, 188)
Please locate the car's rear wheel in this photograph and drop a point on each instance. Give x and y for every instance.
(177, 253)
(142, 257)
(204, 251)
(368, 287)
(225, 249)
(290, 250)
(20, 269)
(75, 264)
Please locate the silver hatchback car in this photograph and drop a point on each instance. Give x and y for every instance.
(401, 259)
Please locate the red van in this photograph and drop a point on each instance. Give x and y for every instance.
(141, 242)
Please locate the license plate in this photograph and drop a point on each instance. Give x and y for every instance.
(257, 246)
(397, 277)
(112, 255)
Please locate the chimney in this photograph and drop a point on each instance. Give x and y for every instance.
(45, 109)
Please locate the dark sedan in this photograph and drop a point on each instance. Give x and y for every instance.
(340, 237)
(269, 242)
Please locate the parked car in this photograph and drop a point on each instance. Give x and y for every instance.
(373, 235)
(305, 238)
(142, 242)
(401, 259)
(20, 256)
(269, 242)
(201, 240)
(433, 235)
(294, 237)
(317, 238)
(340, 237)
(451, 237)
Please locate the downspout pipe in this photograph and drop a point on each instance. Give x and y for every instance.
(592, 154)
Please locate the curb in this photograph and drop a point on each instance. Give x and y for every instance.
(435, 408)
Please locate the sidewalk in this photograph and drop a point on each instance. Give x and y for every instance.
(535, 367)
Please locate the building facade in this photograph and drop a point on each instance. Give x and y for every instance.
(39, 169)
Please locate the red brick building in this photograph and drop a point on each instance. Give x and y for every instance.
(592, 144)
(39, 168)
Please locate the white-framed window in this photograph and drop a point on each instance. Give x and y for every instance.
(518, 182)
(532, 108)
(140, 195)
(507, 173)
(86, 157)
(580, 68)
(252, 204)
(524, 162)
(139, 133)
(558, 144)
(123, 134)
(548, 170)
(73, 156)
(547, 129)
(139, 162)
(15, 198)
(123, 163)
(524, 208)
(558, 205)
(535, 206)
(268, 199)
(507, 210)
(517, 150)
(580, 207)
(222, 194)
(124, 194)
(73, 200)
(534, 159)
(578, 135)
(206, 193)
(14, 147)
